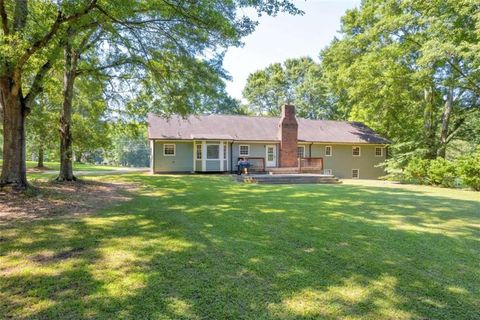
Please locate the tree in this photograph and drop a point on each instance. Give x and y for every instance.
(409, 69)
(31, 32)
(27, 54)
(42, 132)
(296, 81)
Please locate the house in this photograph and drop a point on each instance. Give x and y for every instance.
(214, 143)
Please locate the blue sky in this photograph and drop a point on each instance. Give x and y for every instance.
(285, 36)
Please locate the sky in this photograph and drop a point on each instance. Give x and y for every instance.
(284, 36)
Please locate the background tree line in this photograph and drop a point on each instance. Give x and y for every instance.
(408, 69)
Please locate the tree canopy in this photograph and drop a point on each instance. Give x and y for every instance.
(295, 81)
(408, 69)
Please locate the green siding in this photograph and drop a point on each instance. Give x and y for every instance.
(342, 162)
(257, 150)
(212, 165)
(181, 162)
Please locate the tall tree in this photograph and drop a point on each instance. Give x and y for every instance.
(297, 81)
(31, 30)
(24, 37)
(409, 69)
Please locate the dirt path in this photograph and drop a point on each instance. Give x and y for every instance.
(52, 199)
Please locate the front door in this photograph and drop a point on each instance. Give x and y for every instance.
(271, 158)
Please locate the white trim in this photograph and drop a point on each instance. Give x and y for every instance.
(213, 144)
(174, 149)
(328, 143)
(204, 155)
(358, 174)
(194, 156)
(331, 151)
(303, 147)
(201, 152)
(221, 155)
(152, 155)
(228, 156)
(381, 152)
(240, 147)
(359, 151)
(327, 171)
(274, 155)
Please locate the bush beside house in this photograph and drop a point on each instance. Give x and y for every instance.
(440, 172)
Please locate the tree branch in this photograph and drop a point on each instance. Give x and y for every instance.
(104, 67)
(37, 85)
(53, 31)
(3, 14)
(20, 16)
(476, 87)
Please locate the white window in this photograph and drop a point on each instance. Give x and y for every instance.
(224, 151)
(328, 151)
(199, 151)
(169, 149)
(327, 171)
(378, 152)
(244, 150)
(213, 151)
(355, 173)
(356, 151)
(300, 151)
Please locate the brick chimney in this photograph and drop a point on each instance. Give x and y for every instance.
(288, 135)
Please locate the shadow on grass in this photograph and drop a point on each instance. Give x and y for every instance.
(196, 247)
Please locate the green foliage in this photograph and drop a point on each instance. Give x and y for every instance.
(441, 172)
(296, 81)
(461, 172)
(469, 170)
(417, 170)
(129, 146)
(396, 65)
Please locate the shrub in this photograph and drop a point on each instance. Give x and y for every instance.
(469, 170)
(417, 170)
(441, 172)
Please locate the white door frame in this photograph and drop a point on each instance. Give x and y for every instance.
(274, 162)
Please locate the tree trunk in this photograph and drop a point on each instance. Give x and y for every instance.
(66, 152)
(14, 171)
(447, 112)
(429, 124)
(40, 158)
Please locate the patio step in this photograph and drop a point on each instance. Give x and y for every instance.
(289, 179)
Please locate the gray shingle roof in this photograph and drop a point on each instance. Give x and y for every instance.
(247, 128)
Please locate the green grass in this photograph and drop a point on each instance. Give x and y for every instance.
(203, 247)
(76, 166)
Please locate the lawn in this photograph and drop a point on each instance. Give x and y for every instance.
(76, 166)
(204, 247)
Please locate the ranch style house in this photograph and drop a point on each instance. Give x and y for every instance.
(214, 143)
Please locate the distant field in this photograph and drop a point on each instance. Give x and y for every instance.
(76, 166)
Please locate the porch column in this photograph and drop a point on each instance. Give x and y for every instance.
(204, 155)
(194, 156)
(221, 156)
(228, 156)
(152, 156)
